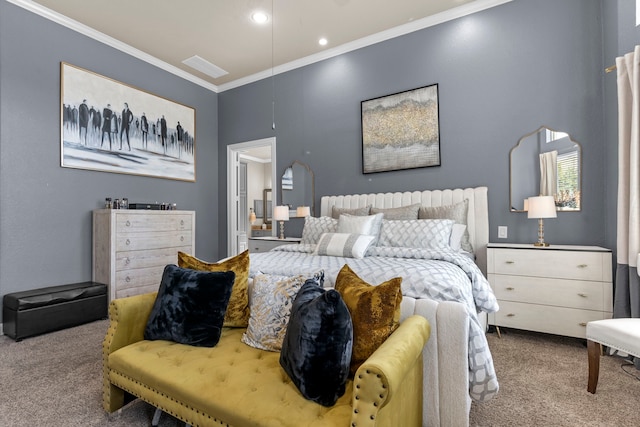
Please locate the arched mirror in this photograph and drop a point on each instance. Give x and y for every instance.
(298, 187)
(546, 162)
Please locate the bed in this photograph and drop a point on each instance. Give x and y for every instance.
(446, 286)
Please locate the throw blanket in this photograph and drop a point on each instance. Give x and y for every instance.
(437, 275)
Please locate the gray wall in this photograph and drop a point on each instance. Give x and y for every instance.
(45, 210)
(501, 73)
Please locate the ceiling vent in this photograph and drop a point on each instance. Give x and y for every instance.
(198, 63)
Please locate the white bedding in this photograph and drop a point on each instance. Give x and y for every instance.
(437, 275)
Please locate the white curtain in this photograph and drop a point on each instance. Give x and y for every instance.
(627, 290)
(549, 173)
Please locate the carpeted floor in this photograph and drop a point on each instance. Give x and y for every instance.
(56, 380)
(543, 382)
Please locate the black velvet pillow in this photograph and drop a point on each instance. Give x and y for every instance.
(190, 306)
(316, 351)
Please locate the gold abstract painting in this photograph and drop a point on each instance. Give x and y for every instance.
(401, 131)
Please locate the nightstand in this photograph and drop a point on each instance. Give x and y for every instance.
(264, 244)
(555, 289)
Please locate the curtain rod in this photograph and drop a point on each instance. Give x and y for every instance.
(610, 69)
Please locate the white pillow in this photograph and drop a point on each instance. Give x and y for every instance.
(455, 240)
(352, 224)
(416, 233)
(344, 244)
(315, 227)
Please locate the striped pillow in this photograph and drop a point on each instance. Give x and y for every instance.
(344, 244)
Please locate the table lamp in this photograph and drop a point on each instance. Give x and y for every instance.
(303, 211)
(541, 207)
(281, 213)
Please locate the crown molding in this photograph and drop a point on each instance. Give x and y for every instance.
(419, 24)
(110, 41)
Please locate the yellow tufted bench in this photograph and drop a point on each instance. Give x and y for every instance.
(233, 384)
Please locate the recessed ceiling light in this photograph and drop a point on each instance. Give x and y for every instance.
(259, 17)
(323, 41)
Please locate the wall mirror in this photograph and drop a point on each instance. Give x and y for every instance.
(298, 187)
(546, 162)
(267, 207)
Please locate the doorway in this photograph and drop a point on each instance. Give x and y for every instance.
(242, 190)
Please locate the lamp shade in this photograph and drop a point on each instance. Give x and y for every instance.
(281, 213)
(542, 207)
(303, 211)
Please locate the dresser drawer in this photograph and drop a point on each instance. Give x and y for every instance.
(131, 222)
(579, 294)
(543, 318)
(126, 260)
(152, 240)
(140, 277)
(549, 263)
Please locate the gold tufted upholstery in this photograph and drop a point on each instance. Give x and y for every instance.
(237, 385)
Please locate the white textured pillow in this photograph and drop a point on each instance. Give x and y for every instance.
(344, 244)
(315, 227)
(270, 300)
(455, 240)
(416, 233)
(352, 224)
(457, 212)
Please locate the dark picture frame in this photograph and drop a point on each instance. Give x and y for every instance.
(109, 126)
(401, 131)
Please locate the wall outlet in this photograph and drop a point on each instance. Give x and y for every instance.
(502, 232)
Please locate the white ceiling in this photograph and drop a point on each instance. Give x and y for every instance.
(166, 32)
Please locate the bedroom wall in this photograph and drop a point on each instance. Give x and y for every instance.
(501, 73)
(45, 210)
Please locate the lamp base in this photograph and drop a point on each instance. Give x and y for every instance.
(541, 244)
(281, 230)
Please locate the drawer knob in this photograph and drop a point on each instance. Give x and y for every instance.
(127, 242)
(510, 288)
(583, 323)
(510, 262)
(128, 223)
(510, 315)
(127, 279)
(182, 238)
(582, 295)
(127, 260)
(182, 222)
(582, 265)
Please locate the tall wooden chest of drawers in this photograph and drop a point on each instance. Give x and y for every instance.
(132, 247)
(555, 289)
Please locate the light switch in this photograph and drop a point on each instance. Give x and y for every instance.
(502, 232)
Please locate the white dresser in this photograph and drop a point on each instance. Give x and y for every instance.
(264, 244)
(555, 289)
(132, 247)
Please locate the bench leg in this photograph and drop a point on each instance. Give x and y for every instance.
(156, 417)
(593, 349)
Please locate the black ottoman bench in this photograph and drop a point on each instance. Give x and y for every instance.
(37, 311)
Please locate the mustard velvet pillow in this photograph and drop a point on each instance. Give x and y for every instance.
(237, 314)
(375, 312)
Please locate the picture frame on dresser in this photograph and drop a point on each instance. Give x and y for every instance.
(110, 126)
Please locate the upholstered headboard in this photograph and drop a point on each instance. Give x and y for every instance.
(477, 219)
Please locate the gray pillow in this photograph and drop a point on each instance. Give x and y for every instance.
(457, 212)
(336, 212)
(403, 212)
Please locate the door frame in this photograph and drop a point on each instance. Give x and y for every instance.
(233, 162)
